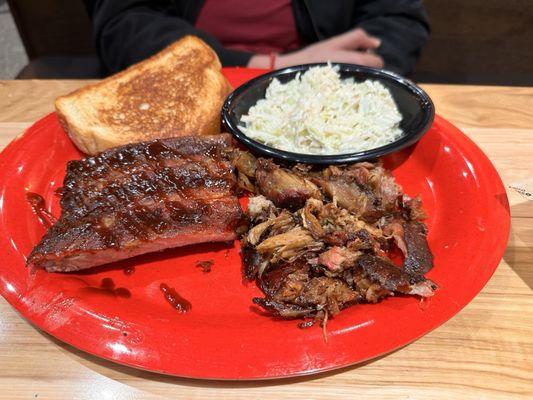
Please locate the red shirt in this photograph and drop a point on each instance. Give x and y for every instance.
(258, 26)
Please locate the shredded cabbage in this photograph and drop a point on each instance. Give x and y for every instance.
(318, 113)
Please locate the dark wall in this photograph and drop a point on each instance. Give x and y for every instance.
(479, 41)
(52, 27)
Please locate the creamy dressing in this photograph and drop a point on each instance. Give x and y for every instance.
(320, 113)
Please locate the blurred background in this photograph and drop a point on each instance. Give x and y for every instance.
(12, 54)
(472, 41)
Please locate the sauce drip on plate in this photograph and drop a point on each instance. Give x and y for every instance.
(205, 265)
(38, 207)
(179, 303)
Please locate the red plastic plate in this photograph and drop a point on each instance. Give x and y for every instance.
(223, 336)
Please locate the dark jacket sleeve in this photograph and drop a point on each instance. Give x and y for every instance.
(402, 26)
(128, 31)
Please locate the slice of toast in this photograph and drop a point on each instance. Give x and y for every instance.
(179, 91)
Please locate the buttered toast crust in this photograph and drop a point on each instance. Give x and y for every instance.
(179, 91)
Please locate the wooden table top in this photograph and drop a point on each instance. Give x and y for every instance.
(484, 352)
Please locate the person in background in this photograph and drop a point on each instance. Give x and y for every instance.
(265, 33)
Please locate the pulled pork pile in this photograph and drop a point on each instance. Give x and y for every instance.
(319, 239)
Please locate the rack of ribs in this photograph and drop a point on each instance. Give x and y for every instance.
(141, 198)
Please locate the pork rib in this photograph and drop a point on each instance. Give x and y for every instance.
(142, 198)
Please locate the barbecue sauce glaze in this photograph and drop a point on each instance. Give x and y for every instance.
(179, 303)
(159, 191)
(38, 207)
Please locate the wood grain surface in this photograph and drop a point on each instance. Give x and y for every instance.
(485, 352)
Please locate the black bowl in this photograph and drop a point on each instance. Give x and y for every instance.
(413, 103)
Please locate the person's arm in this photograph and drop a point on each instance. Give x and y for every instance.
(353, 47)
(128, 31)
(401, 25)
